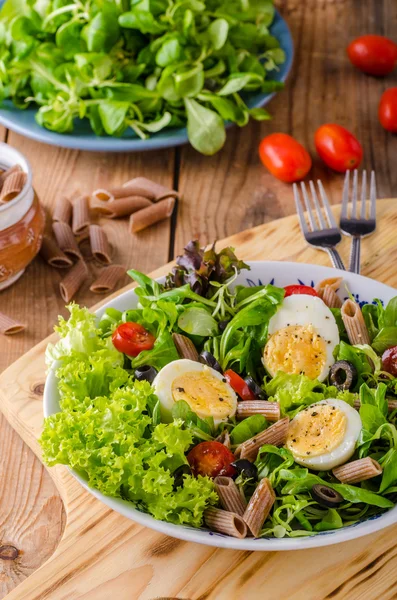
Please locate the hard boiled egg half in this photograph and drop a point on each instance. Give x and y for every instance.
(302, 337)
(324, 435)
(204, 389)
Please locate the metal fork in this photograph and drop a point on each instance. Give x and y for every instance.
(322, 235)
(358, 225)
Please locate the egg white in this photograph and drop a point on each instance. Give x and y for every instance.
(345, 449)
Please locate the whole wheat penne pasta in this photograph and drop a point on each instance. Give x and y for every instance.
(100, 246)
(8, 172)
(9, 326)
(142, 186)
(122, 207)
(391, 404)
(65, 239)
(259, 506)
(354, 322)
(358, 470)
(330, 297)
(225, 522)
(63, 210)
(185, 347)
(247, 408)
(229, 495)
(275, 435)
(108, 279)
(13, 185)
(152, 214)
(53, 255)
(73, 281)
(224, 438)
(85, 248)
(81, 215)
(332, 282)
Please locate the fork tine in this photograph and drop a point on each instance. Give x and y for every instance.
(320, 217)
(354, 195)
(299, 210)
(364, 195)
(345, 196)
(328, 211)
(372, 211)
(309, 208)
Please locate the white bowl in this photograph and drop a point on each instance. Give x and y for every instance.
(280, 274)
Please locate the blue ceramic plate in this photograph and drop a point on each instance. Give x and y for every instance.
(23, 121)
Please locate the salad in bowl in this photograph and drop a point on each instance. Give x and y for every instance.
(230, 409)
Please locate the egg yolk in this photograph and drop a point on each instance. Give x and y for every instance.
(316, 430)
(295, 349)
(205, 394)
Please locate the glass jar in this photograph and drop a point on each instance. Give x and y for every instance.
(22, 223)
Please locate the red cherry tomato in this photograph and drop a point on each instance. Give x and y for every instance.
(239, 385)
(338, 148)
(373, 54)
(291, 290)
(211, 459)
(284, 157)
(388, 110)
(389, 361)
(132, 338)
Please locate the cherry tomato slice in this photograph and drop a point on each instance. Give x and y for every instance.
(239, 385)
(389, 360)
(388, 110)
(292, 290)
(338, 148)
(284, 157)
(373, 54)
(132, 338)
(211, 459)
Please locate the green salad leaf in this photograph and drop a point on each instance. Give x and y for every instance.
(248, 428)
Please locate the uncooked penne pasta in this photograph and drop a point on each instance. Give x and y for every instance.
(65, 239)
(84, 245)
(330, 297)
(142, 186)
(354, 322)
(247, 408)
(100, 246)
(229, 495)
(108, 279)
(9, 326)
(122, 207)
(13, 185)
(358, 470)
(225, 522)
(332, 282)
(8, 172)
(391, 404)
(81, 215)
(53, 255)
(275, 435)
(73, 281)
(185, 347)
(63, 210)
(152, 214)
(259, 506)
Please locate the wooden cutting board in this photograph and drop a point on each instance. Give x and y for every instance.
(103, 555)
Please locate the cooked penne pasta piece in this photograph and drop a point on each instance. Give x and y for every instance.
(225, 522)
(142, 186)
(358, 470)
(13, 185)
(73, 281)
(53, 255)
(275, 434)
(229, 495)
(63, 210)
(391, 404)
(224, 438)
(9, 326)
(270, 410)
(332, 282)
(259, 506)
(81, 215)
(185, 347)
(152, 214)
(330, 297)
(8, 172)
(65, 239)
(100, 246)
(108, 279)
(354, 322)
(122, 207)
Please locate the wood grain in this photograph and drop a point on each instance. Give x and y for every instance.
(103, 554)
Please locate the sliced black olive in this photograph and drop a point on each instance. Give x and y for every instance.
(326, 496)
(223, 324)
(206, 358)
(179, 474)
(343, 375)
(145, 373)
(254, 387)
(245, 468)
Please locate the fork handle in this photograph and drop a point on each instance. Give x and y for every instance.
(336, 259)
(354, 263)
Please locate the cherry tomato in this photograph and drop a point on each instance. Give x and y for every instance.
(373, 54)
(291, 290)
(239, 385)
(284, 157)
(211, 459)
(389, 361)
(388, 110)
(132, 338)
(338, 148)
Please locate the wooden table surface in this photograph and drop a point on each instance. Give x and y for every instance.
(220, 195)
